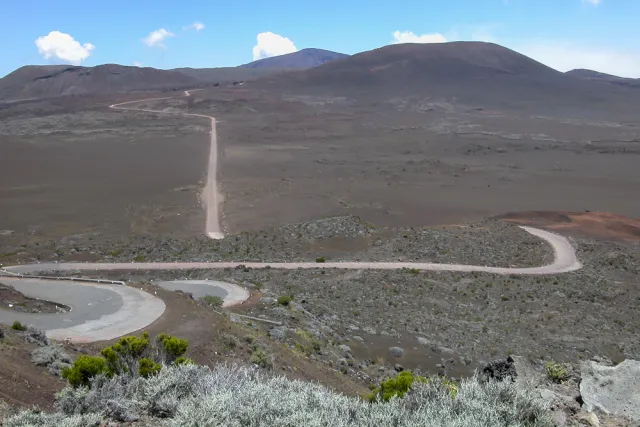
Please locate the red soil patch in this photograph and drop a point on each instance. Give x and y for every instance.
(600, 225)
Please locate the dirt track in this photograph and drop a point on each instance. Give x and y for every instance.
(211, 196)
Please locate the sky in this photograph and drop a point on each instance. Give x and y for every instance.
(597, 34)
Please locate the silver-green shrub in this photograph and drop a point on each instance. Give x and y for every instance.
(190, 395)
(53, 357)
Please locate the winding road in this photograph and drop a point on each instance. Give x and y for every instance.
(106, 309)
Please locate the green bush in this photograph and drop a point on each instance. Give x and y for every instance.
(285, 300)
(17, 326)
(183, 361)
(397, 386)
(147, 367)
(556, 372)
(131, 355)
(173, 347)
(139, 258)
(83, 369)
(321, 259)
(212, 301)
(260, 358)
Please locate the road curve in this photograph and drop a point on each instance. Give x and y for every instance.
(98, 311)
(139, 309)
(565, 260)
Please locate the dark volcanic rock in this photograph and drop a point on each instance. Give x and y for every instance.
(500, 369)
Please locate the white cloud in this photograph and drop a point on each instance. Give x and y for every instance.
(270, 44)
(568, 56)
(137, 64)
(155, 38)
(410, 37)
(63, 47)
(197, 26)
(593, 2)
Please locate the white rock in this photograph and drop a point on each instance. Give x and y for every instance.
(612, 389)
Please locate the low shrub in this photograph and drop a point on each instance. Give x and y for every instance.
(36, 336)
(53, 357)
(139, 258)
(285, 300)
(147, 367)
(84, 368)
(556, 372)
(183, 361)
(173, 347)
(321, 259)
(259, 357)
(131, 356)
(226, 395)
(395, 387)
(17, 326)
(212, 301)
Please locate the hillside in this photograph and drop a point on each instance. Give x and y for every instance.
(49, 81)
(609, 78)
(224, 75)
(300, 60)
(473, 73)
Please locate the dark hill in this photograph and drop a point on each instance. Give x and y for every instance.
(49, 81)
(225, 75)
(472, 73)
(300, 60)
(609, 78)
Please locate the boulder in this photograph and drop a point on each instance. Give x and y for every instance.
(500, 370)
(612, 389)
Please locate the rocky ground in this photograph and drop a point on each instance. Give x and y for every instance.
(490, 242)
(364, 326)
(441, 322)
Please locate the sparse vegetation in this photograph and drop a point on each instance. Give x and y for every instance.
(285, 300)
(321, 259)
(17, 326)
(139, 258)
(395, 387)
(53, 358)
(260, 358)
(556, 372)
(212, 301)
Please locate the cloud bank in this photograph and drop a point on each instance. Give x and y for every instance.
(270, 44)
(62, 46)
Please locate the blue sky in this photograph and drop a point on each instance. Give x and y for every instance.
(565, 34)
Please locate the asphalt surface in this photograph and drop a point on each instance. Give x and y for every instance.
(98, 311)
(230, 293)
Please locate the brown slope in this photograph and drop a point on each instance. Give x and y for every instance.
(50, 81)
(473, 73)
